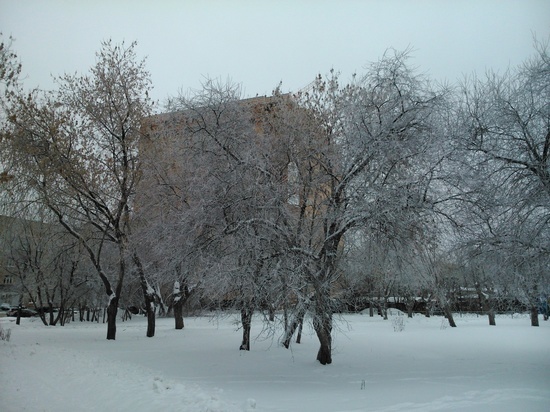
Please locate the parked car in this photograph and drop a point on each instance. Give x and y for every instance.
(5, 307)
(25, 313)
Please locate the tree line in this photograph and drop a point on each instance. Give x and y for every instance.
(344, 194)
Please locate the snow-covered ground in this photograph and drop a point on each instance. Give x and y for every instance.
(425, 367)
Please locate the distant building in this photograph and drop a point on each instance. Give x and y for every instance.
(9, 287)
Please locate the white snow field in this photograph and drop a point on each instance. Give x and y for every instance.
(425, 367)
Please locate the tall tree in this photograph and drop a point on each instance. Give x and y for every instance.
(363, 162)
(236, 186)
(289, 177)
(506, 124)
(77, 153)
(10, 69)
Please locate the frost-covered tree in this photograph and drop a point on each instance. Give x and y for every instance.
(76, 151)
(280, 182)
(214, 163)
(362, 163)
(505, 125)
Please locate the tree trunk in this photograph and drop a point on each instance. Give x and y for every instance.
(385, 309)
(449, 315)
(534, 316)
(300, 327)
(322, 323)
(50, 310)
(112, 309)
(148, 296)
(246, 320)
(18, 319)
(492, 320)
(42, 317)
(62, 315)
(427, 311)
(150, 319)
(410, 308)
(111, 318)
(486, 305)
(180, 297)
(178, 313)
(285, 316)
(296, 321)
(150, 312)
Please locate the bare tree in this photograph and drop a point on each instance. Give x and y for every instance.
(46, 264)
(364, 167)
(77, 152)
(202, 187)
(10, 69)
(507, 139)
(289, 177)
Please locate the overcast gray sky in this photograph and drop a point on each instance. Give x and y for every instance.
(259, 43)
